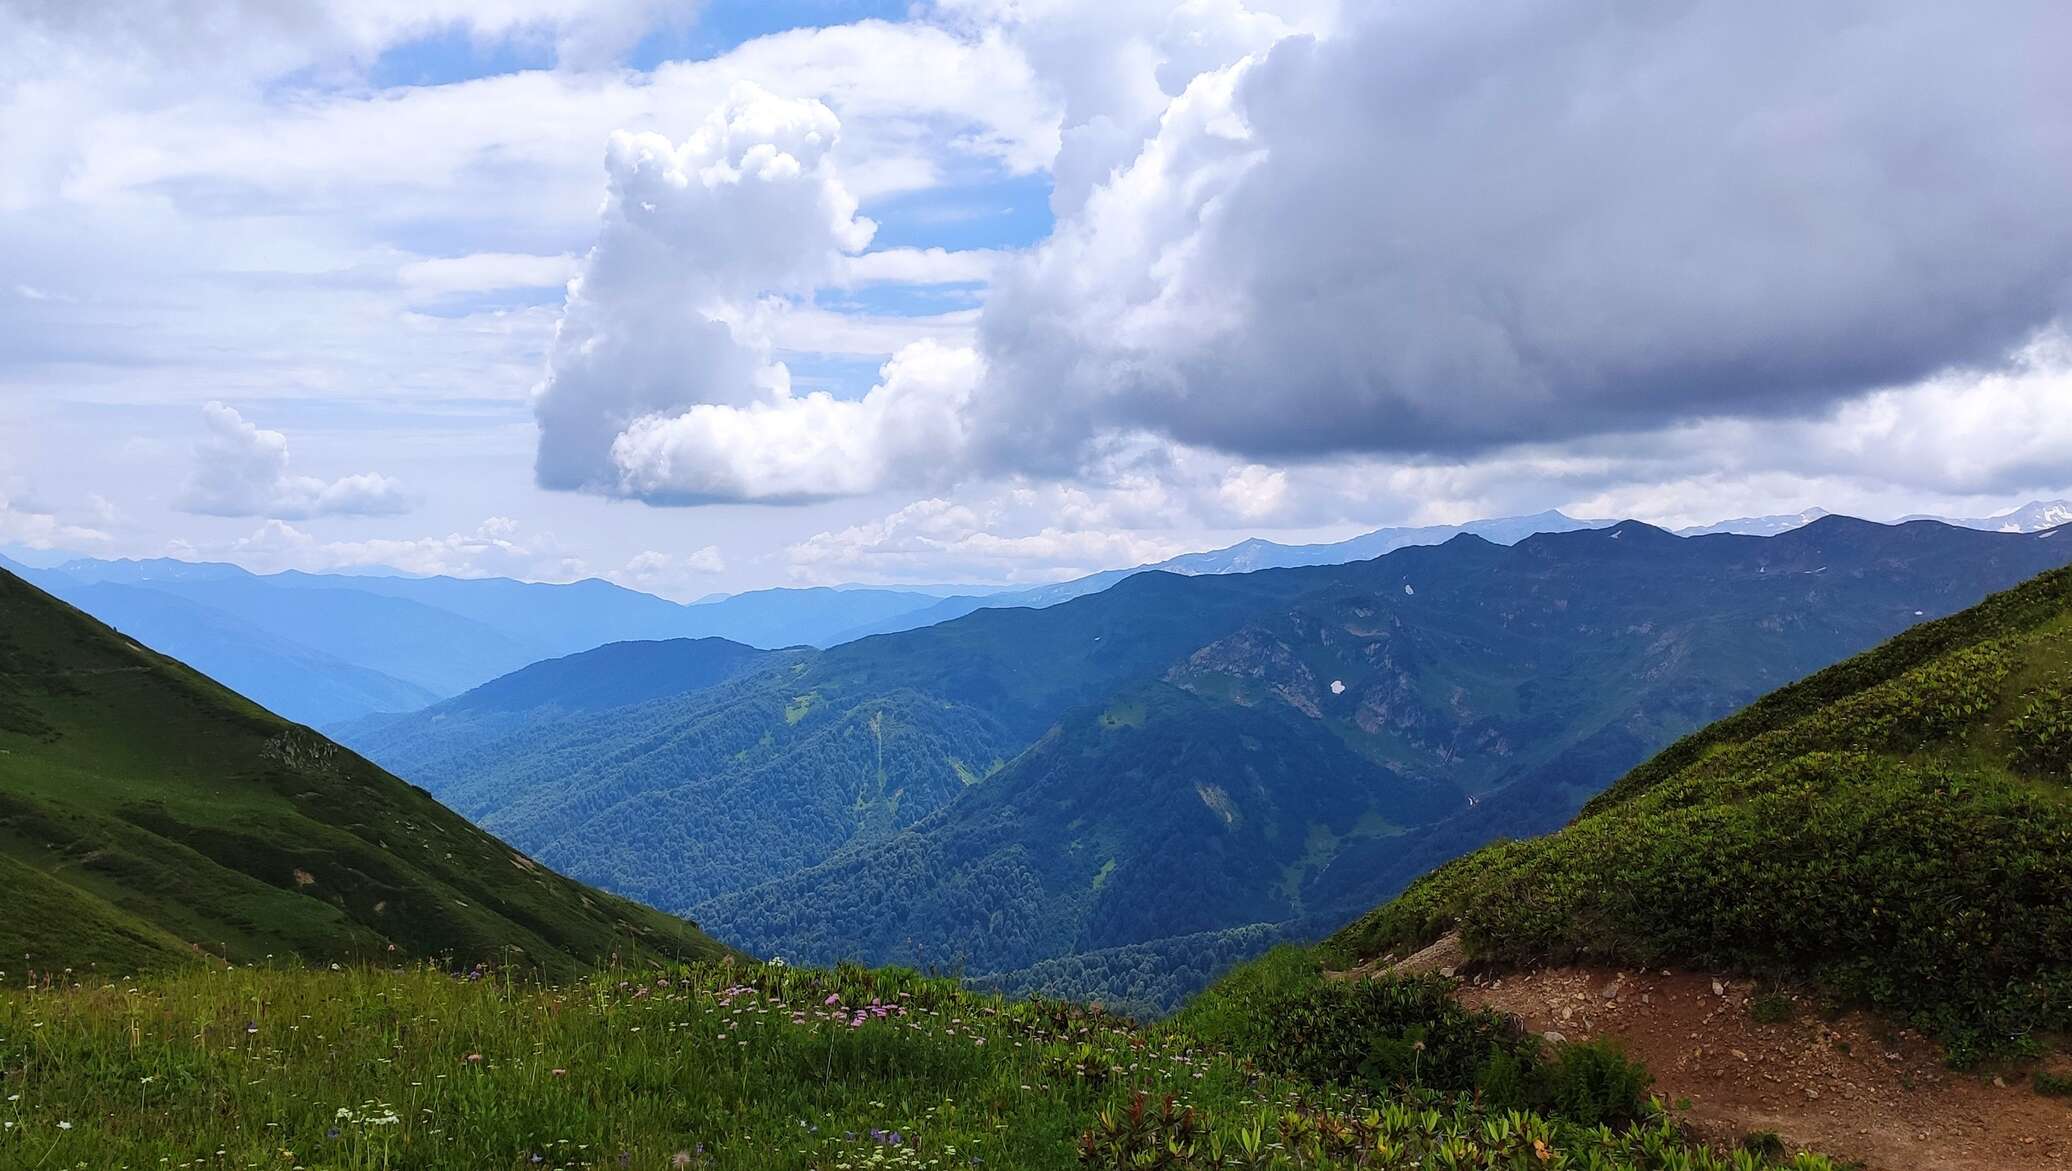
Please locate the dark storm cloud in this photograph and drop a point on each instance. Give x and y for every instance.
(1454, 227)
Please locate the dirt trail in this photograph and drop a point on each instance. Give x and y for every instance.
(1849, 1088)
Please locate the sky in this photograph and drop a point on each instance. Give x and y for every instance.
(704, 297)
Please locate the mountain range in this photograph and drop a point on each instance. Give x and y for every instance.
(149, 817)
(326, 649)
(322, 649)
(1176, 757)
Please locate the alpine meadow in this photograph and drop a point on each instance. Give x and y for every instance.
(1119, 585)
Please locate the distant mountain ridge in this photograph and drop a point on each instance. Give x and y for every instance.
(1244, 557)
(331, 648)
(1757, 526)
(2033, 517)
(1189, 755)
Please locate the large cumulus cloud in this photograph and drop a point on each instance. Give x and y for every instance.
(1454, 227)
(692, 234)
(1420, 231)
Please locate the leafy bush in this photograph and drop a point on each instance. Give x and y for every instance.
(1594, 1084)
(1286, 1017)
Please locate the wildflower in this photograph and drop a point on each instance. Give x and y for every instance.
(680, 1159)
(64, 1126)
(557, 1073)
(833, 998)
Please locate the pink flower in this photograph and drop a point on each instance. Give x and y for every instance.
(832, 998)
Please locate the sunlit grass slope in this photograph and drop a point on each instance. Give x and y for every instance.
(149, 817)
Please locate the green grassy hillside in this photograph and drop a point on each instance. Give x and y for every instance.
(1897, 830)
(148, 815)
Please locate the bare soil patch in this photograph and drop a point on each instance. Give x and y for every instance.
(1850, 1087)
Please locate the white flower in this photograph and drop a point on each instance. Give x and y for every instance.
(64, 1126)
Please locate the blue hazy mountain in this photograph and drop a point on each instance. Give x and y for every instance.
(616, 675)
(332, 648)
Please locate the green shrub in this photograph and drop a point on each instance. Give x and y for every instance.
(1594, 1084)
(1389, 1033)
(1771, 1008)
(1766, 1144)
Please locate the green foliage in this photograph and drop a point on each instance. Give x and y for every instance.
(1594, 1084)
(1771, 1008)
(1418, 1130)
(1857, 831)
(720, 1067)
(1766, 1143)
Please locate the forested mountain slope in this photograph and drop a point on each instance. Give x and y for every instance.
(1018, 785)
(148, 815)
(1321, 738)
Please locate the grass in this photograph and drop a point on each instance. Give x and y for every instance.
(721, 1065)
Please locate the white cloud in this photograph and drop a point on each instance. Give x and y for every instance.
(787, 448)
(242, 470)
(936, 538)
(682, 576)
(661, 386)
(496, 548)
(1254, 491)
(27, 523)
(483, 272)
(919, 266)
